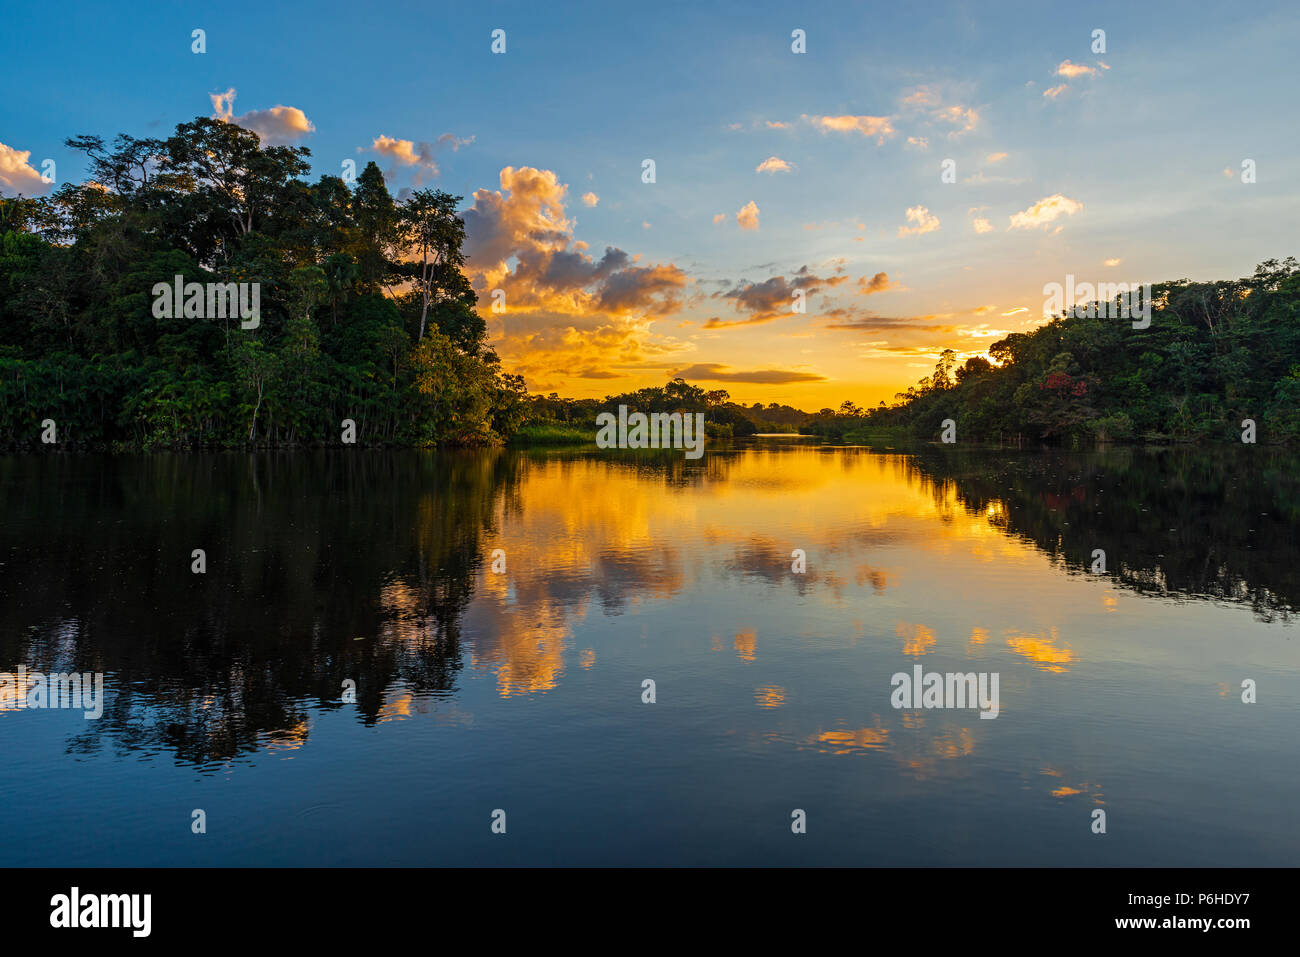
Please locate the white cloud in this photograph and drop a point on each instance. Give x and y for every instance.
(926, 222)
(774, 164)
(877, 126)
(1045, 211)
(17, 176)
(278, 126)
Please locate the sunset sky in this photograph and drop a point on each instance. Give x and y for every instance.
(775, 171)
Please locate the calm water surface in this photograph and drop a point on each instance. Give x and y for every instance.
(522, 690)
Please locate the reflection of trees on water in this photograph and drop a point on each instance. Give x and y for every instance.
(1216, 525)
(320, 568)
(323, 567)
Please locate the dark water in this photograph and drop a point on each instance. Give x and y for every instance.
(522, 690)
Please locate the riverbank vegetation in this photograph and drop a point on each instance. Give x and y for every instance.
(366, 329)
(364, 315)
(1214, 355)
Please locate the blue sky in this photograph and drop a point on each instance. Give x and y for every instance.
(1141, 146)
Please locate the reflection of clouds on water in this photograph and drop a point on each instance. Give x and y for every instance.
(917, 639)
(1042, 650)
(918, 753)
(1092, 792)
(907, 553)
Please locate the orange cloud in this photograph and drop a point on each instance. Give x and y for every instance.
(880, 282)
(565, 308)
(878, 126)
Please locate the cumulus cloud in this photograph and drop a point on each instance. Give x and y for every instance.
(565, 307)
(278, 126)
(420, 155)
(1045, 211)
(774, 164)
(1055, 91)
(878, 126)
(406, 152)
(771, 299)
(748, 216)
(926, 222)
(590, 199)
(17, 176)
(880, 282)
(981, 225)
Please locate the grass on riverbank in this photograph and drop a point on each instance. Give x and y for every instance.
(552, 433)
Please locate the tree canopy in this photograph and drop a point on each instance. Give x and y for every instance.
(365, 313)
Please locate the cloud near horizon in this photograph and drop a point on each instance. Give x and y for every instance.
(565, 309)
(718, 372)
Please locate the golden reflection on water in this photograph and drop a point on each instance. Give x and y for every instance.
(584, 540)
(1042, 650)
(591, 535)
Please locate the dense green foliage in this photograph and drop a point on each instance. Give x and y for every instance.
(1213, 355)
(565, 418)
(366, 315)
(364, 311)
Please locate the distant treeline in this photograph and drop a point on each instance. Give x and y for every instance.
(366, 328)
(121, 326)
(550, 415)
(1213, 355)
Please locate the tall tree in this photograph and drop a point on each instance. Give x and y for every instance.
(434, 234)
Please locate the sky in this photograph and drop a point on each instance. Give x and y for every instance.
(800, 242)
